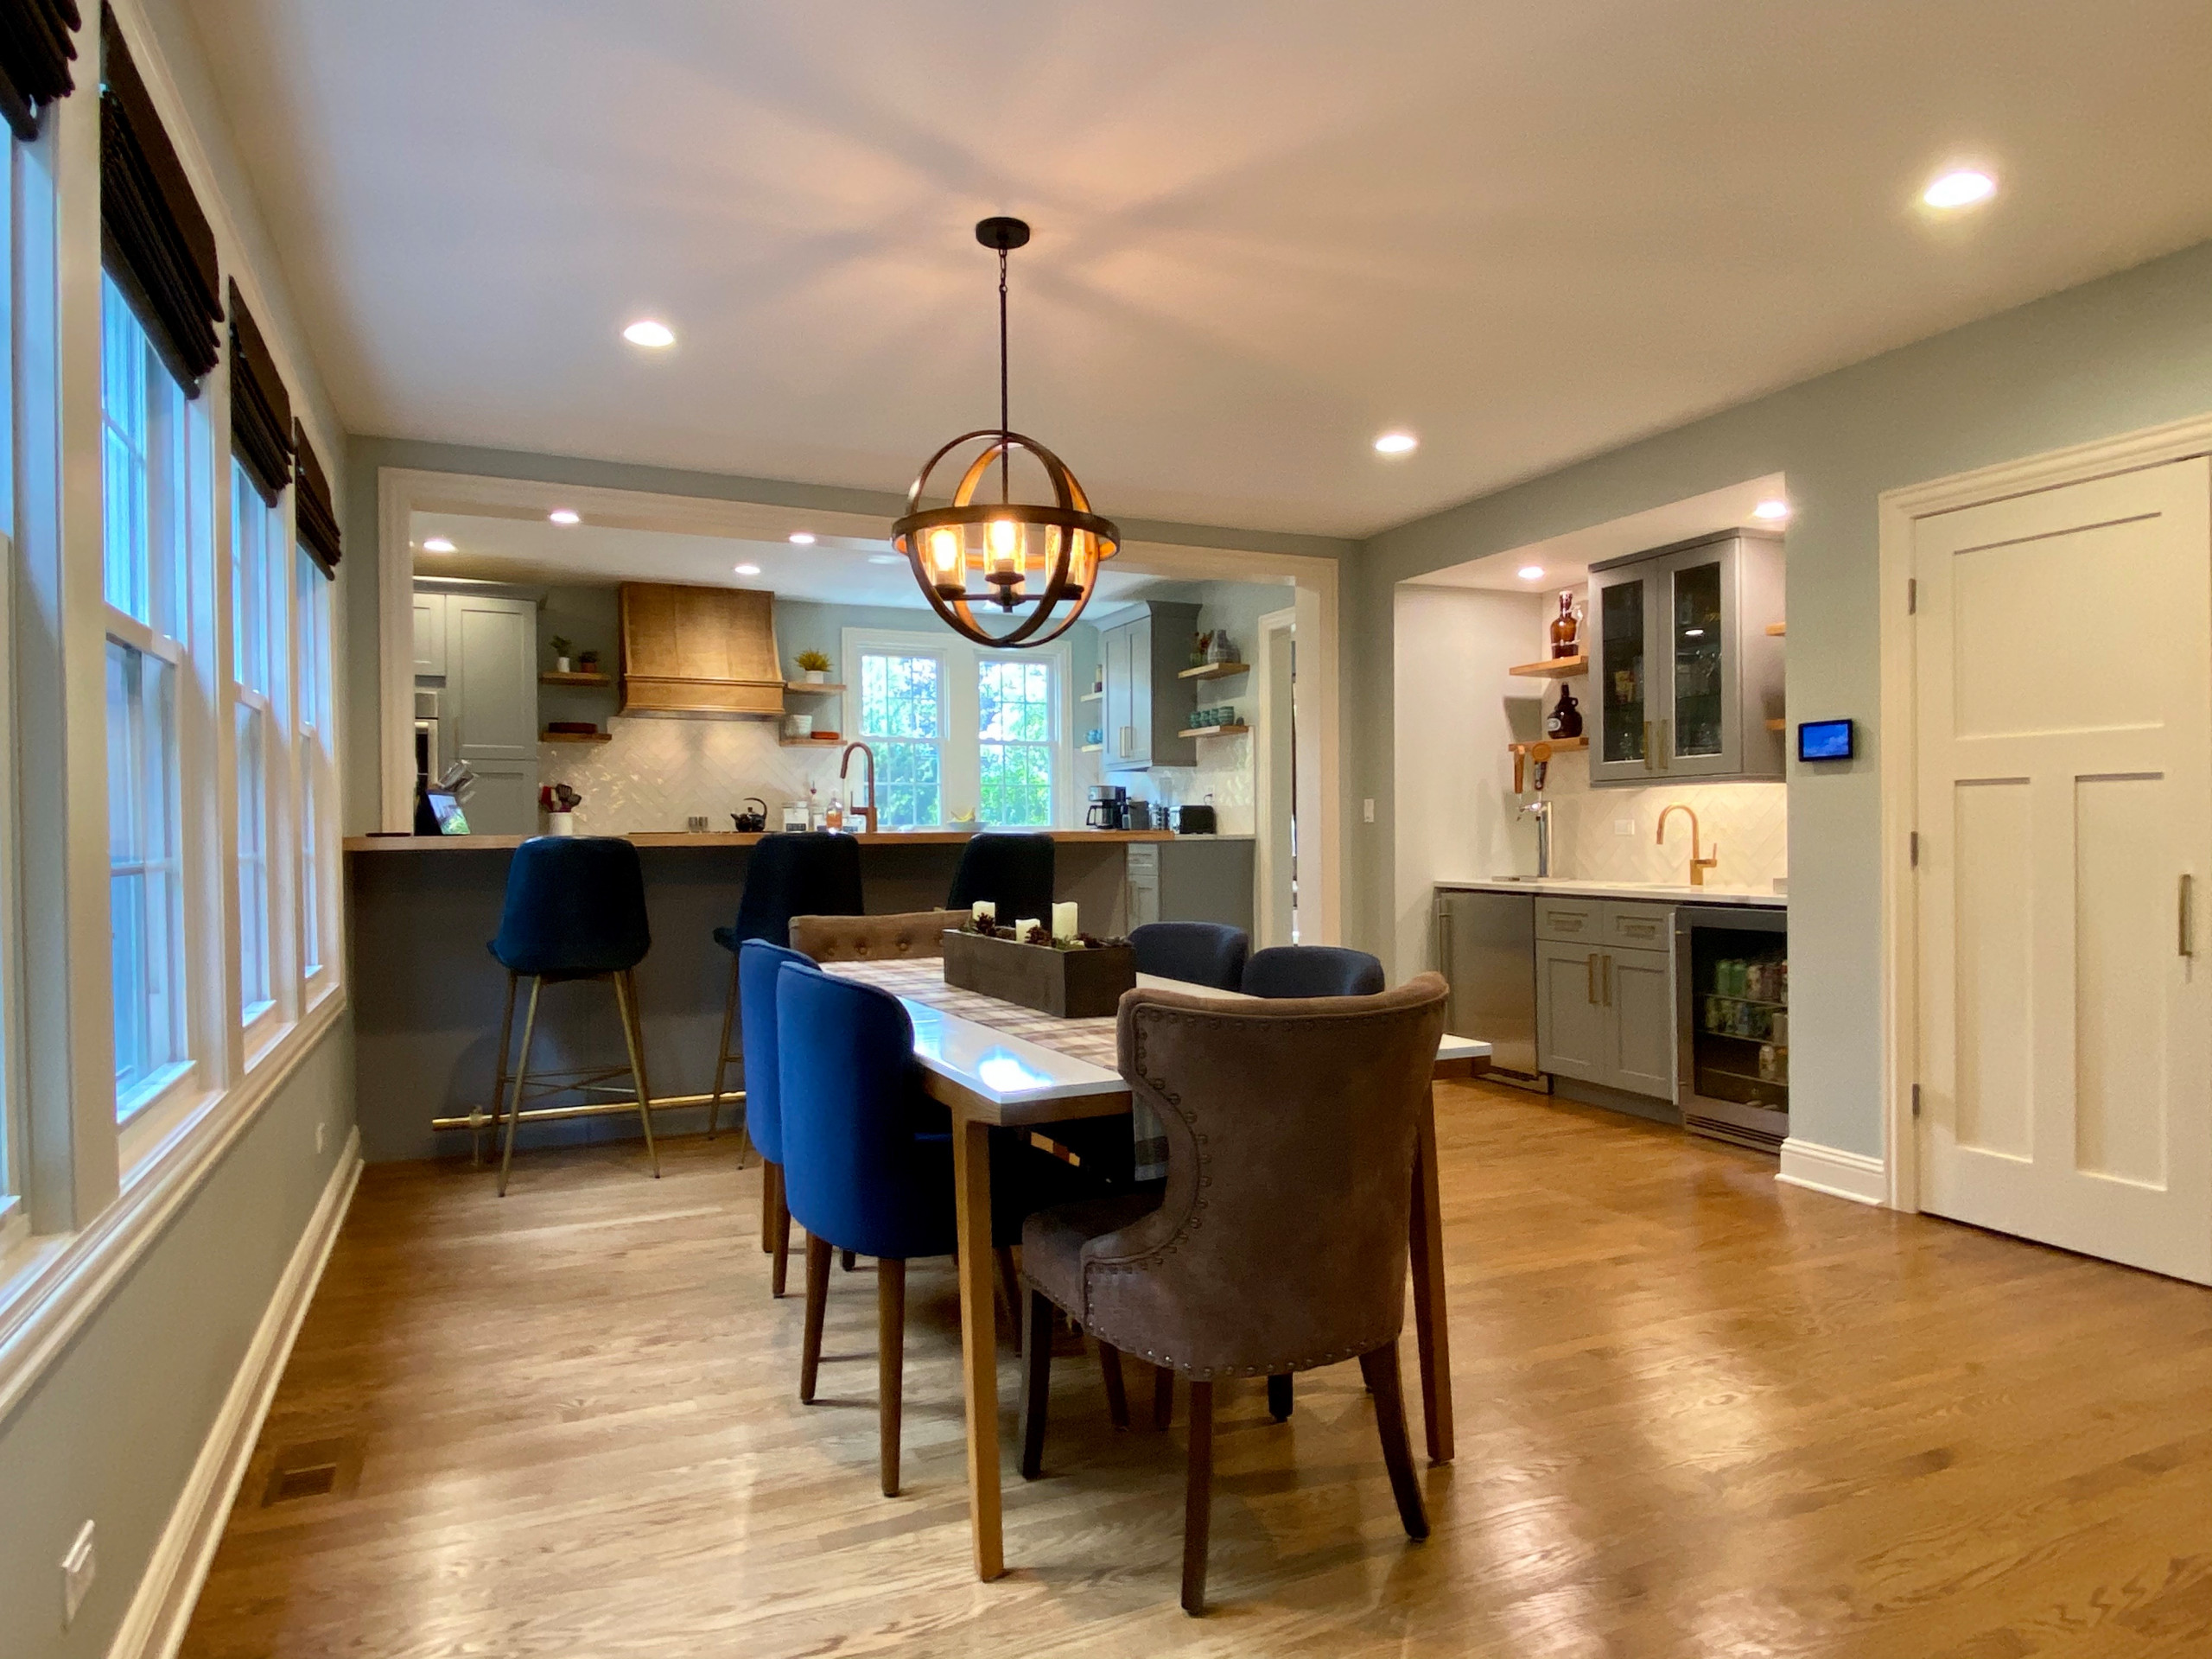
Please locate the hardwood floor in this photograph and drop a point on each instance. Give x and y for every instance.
(1699, 1413)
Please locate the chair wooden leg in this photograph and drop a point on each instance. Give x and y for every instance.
(768, 1174)
(818, 1304)
(633, 1033)
(783, 1239)
(1010, 1287)
(1380, 1368)
(1163, 1397)
(890, 1364)
(1198, 1498)
(1036, 1379)
(1279, 1397)
(721, 1058)
(498, 1076)
(521, 1079)
(1117, 1398)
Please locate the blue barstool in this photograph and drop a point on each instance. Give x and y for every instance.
(1014, 872)
(758, 964)
(1199, 953)
(575, 909)
(1312, 970)
(801, 874)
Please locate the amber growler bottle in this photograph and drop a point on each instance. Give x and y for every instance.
(1565, 720)
(1564, 628)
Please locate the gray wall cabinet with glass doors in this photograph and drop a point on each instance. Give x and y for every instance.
(1684, 676)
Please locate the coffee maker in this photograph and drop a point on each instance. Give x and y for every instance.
(1110, 807)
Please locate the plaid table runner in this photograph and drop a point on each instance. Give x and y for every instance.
(1091, 1040)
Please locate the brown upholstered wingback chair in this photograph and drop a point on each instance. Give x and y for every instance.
(1280, 1243)
(873, 938)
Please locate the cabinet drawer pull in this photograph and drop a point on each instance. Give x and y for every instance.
(1590, 979)
(2188, 916)
(1605, 979)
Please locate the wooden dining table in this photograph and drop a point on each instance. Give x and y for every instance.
(997, 1064)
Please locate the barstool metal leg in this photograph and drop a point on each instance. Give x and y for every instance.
(626, 999)
(499, 1078)
(521, 1079)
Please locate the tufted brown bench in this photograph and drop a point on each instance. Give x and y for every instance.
(873, 938)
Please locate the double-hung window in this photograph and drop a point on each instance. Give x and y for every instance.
(145, 446)
(1014, 699)
(257, 642)
(311, 699)
(903, 721)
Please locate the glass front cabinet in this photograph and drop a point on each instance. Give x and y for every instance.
(1685, 677)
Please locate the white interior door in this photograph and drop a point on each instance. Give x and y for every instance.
(2063, 656)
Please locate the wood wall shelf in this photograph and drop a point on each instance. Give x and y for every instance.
(1559, 745)
(810, 742)
(1091, 748)
(1777, 725)
(1214, 670)
(1777, 630)
(1215, 731)
(554, 676)
(813, 689)
(1552, 668)
(1092, 697)
(575, 737)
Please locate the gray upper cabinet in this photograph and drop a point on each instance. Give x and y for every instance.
(429, 635)
(1684, 676)
(1147, 706)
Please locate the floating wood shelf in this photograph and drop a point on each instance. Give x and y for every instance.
(1214, 670)
(1552, 668)
(1213, 731)
(813, 689)
(1777, 725)
(1091, 748)
(1777, 629)
(552, 676)
(575, 737)
(1092, 697)
(1559, 745)
(829, 742)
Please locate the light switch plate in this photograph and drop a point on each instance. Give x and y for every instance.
(1367, 811)
(1624, 826)
(79, 1568)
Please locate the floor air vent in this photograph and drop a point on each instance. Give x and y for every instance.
(313, 1469)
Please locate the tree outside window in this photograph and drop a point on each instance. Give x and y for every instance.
(1014, 703)
(902, 720)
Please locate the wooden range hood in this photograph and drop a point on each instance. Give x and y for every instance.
(700, 651)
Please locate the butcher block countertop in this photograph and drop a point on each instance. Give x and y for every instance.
(731, 839)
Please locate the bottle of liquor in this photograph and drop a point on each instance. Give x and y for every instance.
(1564, 626)
(1565, 720)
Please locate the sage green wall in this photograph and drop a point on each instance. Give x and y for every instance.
(110, 1433)
(2128, 351)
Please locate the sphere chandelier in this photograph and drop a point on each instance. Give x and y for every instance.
(1033, 558)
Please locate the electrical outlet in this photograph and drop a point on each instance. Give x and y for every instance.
(322, 1135)
(1367, 811)
(79, 1568)
(1624, 826)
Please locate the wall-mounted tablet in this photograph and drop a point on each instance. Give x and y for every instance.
(1824, 740)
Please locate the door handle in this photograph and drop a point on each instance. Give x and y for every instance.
(1605, 979)
(2188, 915)
(1666, 745)
(1444, 942)
(1647, 745)
(1590, 979)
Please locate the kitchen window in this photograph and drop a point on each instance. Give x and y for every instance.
(254, 525)
(143, 461)
(311, 624)
(1014, 696)
(902, 720)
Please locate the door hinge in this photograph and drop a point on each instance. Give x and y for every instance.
(1916, 849)
(1912, 596)
(1916, 1100)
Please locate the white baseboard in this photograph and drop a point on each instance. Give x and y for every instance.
(1831, 1170)
(161, 1607)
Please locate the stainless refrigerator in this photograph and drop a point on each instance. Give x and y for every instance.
(1486, 950)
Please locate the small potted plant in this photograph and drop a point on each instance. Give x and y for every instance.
(587, 660)
(814, 665)
(559, 804)
(561, 647)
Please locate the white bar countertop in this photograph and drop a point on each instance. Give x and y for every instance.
(1566, 887)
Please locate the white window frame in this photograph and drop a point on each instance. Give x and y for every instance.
(1058, 727)
(315, 846)
(857, 700)
(960, 750)
(268, 527)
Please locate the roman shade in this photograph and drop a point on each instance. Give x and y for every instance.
(36, 47)
(260, 409)
(311, 509)
(158, 245)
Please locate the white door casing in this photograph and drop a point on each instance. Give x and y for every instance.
(2062, 662)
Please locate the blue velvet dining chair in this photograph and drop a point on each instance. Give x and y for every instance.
(867, 1164)
(759, 962)
(1198, 953)
(1312, 970)
(802, 875)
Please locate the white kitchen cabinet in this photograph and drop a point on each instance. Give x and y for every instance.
(1683, 675)
(1142, 865)
(429, 635)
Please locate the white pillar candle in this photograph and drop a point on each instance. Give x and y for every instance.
(1064, 923)
(985, 913)
(1022, 929)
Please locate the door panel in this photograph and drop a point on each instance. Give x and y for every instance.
(2063, 657)
(1570, 1022)
(1641, 984)
(430, 635)
(492, 677)
(1703, 731)
(1619, 674)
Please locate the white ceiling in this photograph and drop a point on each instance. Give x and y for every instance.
(1265, 231)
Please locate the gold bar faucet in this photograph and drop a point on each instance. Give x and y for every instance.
(1698, 865)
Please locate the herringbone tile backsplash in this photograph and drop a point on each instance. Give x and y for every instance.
(656, 773)
(1750, 823)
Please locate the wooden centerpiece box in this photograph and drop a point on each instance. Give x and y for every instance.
(1083, 983)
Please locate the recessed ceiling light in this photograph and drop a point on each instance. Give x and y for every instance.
(884, 558)
(1396, 443)
(1771, 510)
(646, 331)
(1961, 188)
(1530, 573)
(748, 569)
(437, 545)
(564, 516)
(802, 538)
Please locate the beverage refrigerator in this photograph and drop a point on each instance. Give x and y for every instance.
(1732, 964)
